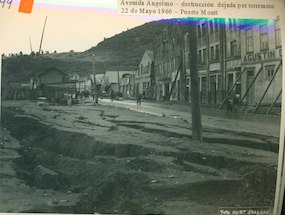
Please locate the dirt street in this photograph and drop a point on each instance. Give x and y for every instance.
(109, 159)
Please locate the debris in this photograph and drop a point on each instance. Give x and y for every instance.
(55, 202)
(45, 178)
(153, 181)
(171, 176)
(69, 192)
(113, 128)
(81, 118)
(6, 139)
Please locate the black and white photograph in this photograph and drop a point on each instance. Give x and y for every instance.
(107, 114)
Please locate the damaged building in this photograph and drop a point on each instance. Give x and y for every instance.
(235, 58)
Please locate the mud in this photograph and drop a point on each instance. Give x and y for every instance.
(144, 177)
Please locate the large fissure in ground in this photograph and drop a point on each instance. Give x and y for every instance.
(131, 178)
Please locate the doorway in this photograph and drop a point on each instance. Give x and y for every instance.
(250, 98)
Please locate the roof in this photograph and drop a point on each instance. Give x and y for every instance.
(99, 78)
(70, 85)
(84, 78)
(113, 75)
(73, 74)
(52, 69)
(147, 57)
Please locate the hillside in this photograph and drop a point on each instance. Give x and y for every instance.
(120, 52)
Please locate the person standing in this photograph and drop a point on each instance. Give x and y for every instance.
(229, 106)
(112, 95)
(139, 99)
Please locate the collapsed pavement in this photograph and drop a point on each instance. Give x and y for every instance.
(86, 159)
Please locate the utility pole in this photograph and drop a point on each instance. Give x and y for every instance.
(195, 98)
(222, 29)
(182, 72)
(31, 44)
(42, 36)
(94, 81)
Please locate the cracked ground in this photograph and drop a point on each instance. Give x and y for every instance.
(114, 160)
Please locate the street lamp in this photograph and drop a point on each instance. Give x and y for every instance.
(95, 96)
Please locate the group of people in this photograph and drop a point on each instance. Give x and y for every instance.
(232, 104)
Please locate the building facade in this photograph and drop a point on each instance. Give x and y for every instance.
(210, 57)
(235, 58)
(232, 86)
(144, 75)
(261, 64)
(169, 65)
(51, 76)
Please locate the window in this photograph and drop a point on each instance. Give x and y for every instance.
(230, 81)
(216, 25)
(249, 40)
(204, 29)
(234, 48)
(187, 60)
(204, 55)
(199, 31)
(211, 26)
(269, 71)
(200, 56)
(263, 37)
(230, 24)
(188, 81)
(277, 33)
(212, 54)
(234, 24)
(217, 52)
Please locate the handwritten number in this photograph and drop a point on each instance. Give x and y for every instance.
(9, 2)
(3, 3)
(6, 2)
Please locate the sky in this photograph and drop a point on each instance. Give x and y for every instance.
(71, 25)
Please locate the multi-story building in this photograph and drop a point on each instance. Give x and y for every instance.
(125, 83)
(261, 64)
(145, 75)
(170, 71)
(112, 79)
(186, 65)
(132, 83)
(232, 86)
(210, 57)
(235, 58)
